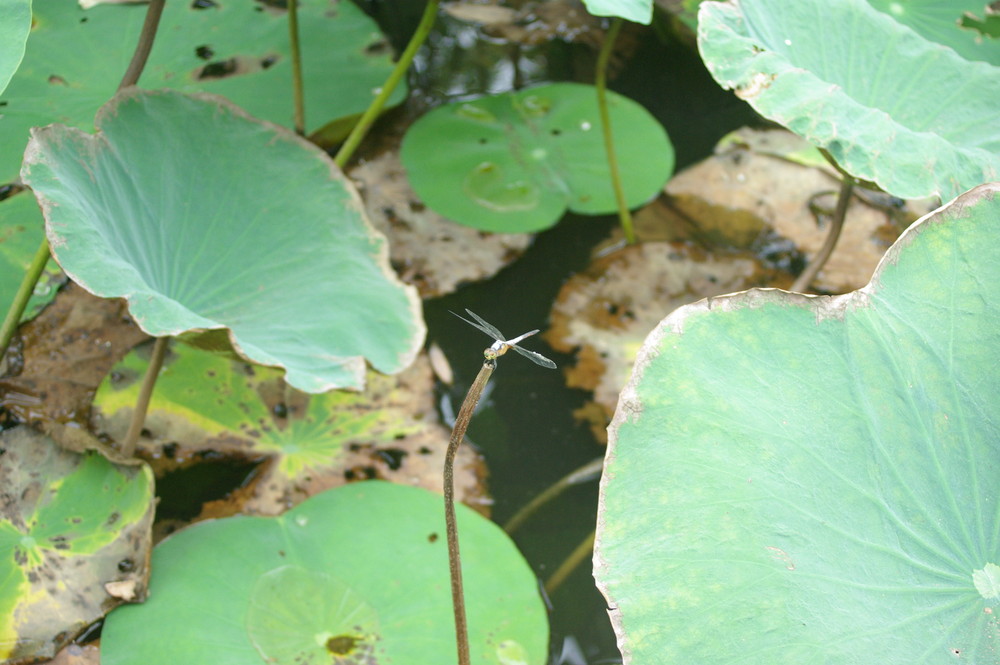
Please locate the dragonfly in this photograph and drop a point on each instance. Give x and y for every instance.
(501, 345)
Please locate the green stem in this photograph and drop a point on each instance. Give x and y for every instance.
(601, 83)
(569, 565)
(583, 474)
(836, 224)
(145, 394)
(372, 112)
(23, 294)
(145, 45)
(451, 525)
(298, 99)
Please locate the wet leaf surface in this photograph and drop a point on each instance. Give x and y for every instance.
(74, 539)
(428, 251)
(207, 405)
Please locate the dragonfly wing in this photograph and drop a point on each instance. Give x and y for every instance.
(487, 328)
(517, 339)
(476, 325)
(536, 358)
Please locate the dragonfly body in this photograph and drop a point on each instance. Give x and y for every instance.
(501, 345)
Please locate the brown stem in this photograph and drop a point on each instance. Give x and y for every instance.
(451, 526)
(586, 472)
(145, 45)
(836, 224)
(298, 99)
(145, 394)
(570, 564)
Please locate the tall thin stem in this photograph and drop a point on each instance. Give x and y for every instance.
(298, 98)
(836, 224)
(24, 292)
(368, 117)
(601, 83)
(451, 526)
(145, 394)
(145, 45)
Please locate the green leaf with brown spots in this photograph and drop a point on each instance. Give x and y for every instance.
(74, 541)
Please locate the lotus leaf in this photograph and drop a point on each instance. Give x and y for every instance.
(234, 48)
(888, 105)
(358, 574)
(204, 218)
(796, 479)
(515, 162)
(640, 11)
(15, 22)
(74, 541)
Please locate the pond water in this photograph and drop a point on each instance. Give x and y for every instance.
(525, 426)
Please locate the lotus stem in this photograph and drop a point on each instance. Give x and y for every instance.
(145, 394)
(583, 474)
(601, 83)
(23, 294)
(451, 525)
(371, 113)
(836, 224)
(298, 98)
(145, 45)
(569, 565)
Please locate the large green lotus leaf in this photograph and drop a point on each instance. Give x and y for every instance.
(15, 22)
(22, 230)
(514, 162)
(204, 218)
(74, 541)
(889, 105)
(942, 22)
(796, 479)
(236, 48)
(204, 401)
(358, 574)
(640, 11)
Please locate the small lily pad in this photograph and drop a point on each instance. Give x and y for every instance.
(358, 574)
(167, 207)
(74, 541)
(515, 162)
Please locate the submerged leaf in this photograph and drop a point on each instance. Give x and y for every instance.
(74, 541)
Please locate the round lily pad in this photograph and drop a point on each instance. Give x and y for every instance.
(358, 574)
(204, 218)
(74, 541)
(800, 479)
(515, 162)
(887, 103)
